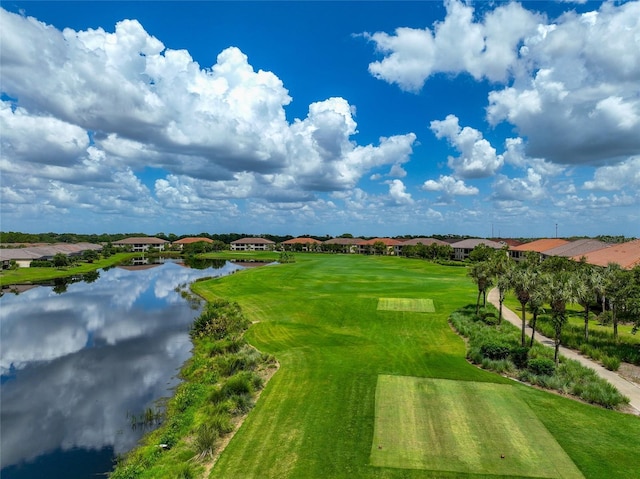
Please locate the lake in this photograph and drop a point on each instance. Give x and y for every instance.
(82, 361)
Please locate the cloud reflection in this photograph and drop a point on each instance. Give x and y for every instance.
(80, 361)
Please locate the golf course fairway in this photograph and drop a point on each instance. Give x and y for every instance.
(354, 377)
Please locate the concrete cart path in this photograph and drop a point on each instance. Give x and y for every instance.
(629, 389)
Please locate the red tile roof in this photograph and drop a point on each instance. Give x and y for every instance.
(541, 245)
(141, 240)
(424, 241)
(192, 240)
(577, 248)
(626, 255)
(302, 241)
(344, 241)
(252, 241)
(386, 241)
(473, 242)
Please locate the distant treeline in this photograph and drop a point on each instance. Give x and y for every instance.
(18, 237)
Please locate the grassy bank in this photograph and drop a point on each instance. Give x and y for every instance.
(33, 275)
(220, 383)
(316, 418)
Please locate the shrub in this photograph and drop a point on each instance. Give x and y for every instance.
(221, 422)
(239, 384)
(205, 440)
(612, 363)
(605, 319)
(243, 403)
(520, 355)
(541, 366)
(219, 319)
(185, 471)
(495, 350)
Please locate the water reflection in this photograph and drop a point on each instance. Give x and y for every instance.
(75, 364)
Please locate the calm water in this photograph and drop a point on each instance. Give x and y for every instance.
(77, 360)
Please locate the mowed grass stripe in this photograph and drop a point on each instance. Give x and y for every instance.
(462, 426)
(414, 305)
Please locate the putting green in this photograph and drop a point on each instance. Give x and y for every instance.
(416, 305)
(462, 426)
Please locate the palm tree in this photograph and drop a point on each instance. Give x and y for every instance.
(560, 290)
(616, 280)
(522, 282)
(536, 303)
(501, 265)
(585, 292)
(481, 275)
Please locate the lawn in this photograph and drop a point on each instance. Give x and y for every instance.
(316, 417)
(29, 275)
(418, 426)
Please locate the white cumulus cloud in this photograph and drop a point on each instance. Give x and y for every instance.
(92, 112)
(478, 159)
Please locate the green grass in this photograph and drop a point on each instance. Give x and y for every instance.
(416, 305)
(30, 275)
(459, 426)
(316, 417)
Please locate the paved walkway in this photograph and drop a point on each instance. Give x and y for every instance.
(629, 389)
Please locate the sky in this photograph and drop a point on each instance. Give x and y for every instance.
(371, 118)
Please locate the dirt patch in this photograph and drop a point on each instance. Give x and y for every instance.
(630, 372)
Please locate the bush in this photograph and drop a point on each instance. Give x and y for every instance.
(541, 366)
(239, 384)
(605, 319)
(205, 440)
(495, 350)
(41, 264)
(520, 356)
(219, 319)
(611, 363)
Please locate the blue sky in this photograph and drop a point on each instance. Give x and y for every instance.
(373, 118)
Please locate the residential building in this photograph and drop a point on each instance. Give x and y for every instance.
(341, 245)
(537, 246)
(416, 241)
(301, 244)
(252, 244)
(461, 249)
(627, 255)
(142, 243)
(184, 241)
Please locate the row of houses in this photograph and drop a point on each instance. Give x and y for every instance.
(44, 252)
(627, 255)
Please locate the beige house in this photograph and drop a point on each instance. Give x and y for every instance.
(342, 245)
(461, 249)
(142, 243)
(301, 244)
(252, 244)
(184, 241)
(24, 256)
(399, 248)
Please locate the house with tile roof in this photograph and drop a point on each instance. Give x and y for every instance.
(141, 244)
(341, 245)
(252, 244)
(185, 241)
(24, 256)
(462, 249)
(301, 244)
(416, 241)
(576, 248)
(537, 246)
(369, 246)
(627, 255)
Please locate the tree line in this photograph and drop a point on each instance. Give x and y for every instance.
(550, 285)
